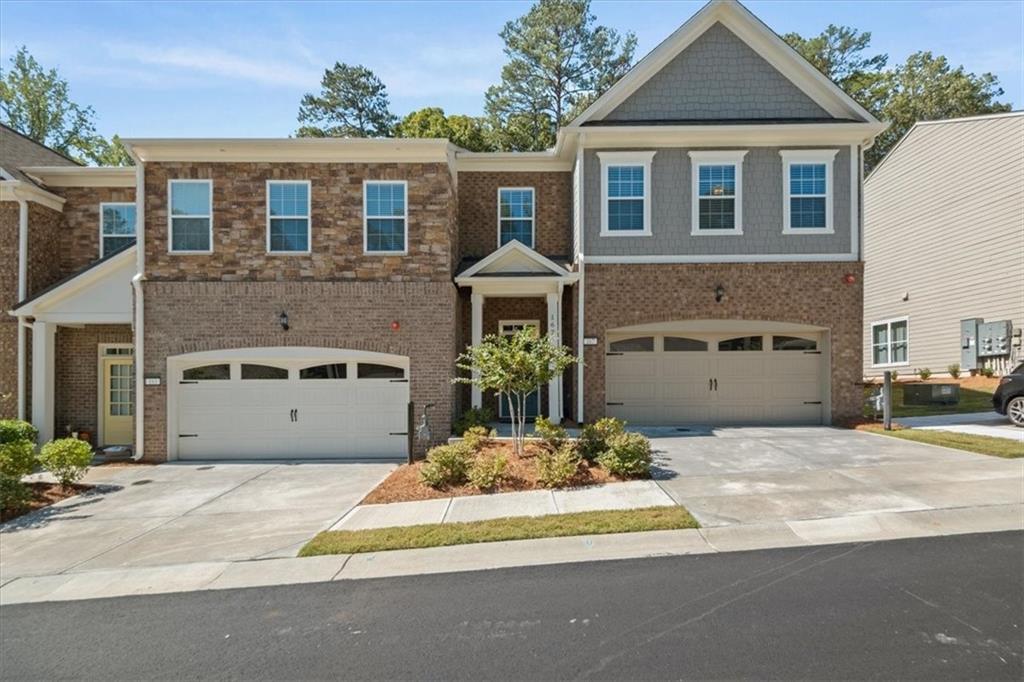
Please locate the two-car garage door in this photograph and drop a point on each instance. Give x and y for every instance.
(723, 378)
(242, 406)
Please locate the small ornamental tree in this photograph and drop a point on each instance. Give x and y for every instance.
(514, 366)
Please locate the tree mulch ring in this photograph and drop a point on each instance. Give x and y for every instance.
(43, 495)
(404, 484)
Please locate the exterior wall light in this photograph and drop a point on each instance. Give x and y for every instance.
(719, 293)
(282, 319)
(395, 326)
(850, 278)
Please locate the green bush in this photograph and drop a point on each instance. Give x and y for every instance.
(553, 436)
(477, 438)
(474, 416)
(628, 455)
(895, 375)
(487, 472)
(67, 459)
(594, 437)
(924, 373)
(14, 429)
(14, 495)
(17, 458)
(447, 465)
(987, 372)
(556, 469)
(954, 370)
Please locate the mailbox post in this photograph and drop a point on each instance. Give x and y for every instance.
(887, 402)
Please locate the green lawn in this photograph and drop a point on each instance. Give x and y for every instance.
(495, 530)
(985, 445)
(971, 400)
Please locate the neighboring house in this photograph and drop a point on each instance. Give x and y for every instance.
(694, 236)
(944, 244)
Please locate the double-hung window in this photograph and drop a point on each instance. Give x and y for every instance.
(191, 216)
(807, 188)
(716, 192)
(625, 193)
(890, 342)
(515, 215)
(288, 209)
(385, 217)
(117, 227)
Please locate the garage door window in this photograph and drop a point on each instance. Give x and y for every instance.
(263, 372)
(742, 343)
(793, 343)
(207, 373)
(640, 344)
(337, 370)
(370, 371)
(681, 343)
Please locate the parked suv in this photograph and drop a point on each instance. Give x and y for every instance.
(1009, 396)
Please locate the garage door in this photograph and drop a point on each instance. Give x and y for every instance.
(315, 409)
(667, 379)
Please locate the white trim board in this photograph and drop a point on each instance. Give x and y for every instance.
(724, 258)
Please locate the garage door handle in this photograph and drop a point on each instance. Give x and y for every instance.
(399, 381)
(188, 435)
(188, 382)
(615, 404)
(812, 402)
(716, 384)
(613, 353)
(812, 352)
(398, 433)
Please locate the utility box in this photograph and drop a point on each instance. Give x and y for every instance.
(994, 339)
(969, 343)
(931, 394)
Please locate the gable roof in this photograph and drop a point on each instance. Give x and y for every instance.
(751, 30)
(18, 150)
(101, 291)
(515, 259)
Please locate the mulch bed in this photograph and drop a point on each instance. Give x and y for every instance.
(43, 495)
(404, 484)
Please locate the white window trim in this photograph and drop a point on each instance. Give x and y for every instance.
(308, 217)
(170, 217)
(103, 205)
(405, 218)
(871, 341)
(815, 156)
(715, 158)
(612, 159)
(533, 214)
(522, 323)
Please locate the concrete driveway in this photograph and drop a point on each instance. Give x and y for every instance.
(974, 423)
(784, 475)
(185, 513)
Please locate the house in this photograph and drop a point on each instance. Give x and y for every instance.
(944, 248)
(694, 236)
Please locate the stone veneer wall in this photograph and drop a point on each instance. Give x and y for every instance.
(804, 293)
(80, 235)
(184, 317)
(76, 374)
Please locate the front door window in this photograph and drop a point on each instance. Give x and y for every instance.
(119, 401)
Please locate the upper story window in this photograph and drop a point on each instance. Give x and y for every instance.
(807, 180)
(288, 211)
(117, 227)
(515, 215)
(385, 217)
(191, 216)
(625, 193)
(890, 342)
(717, 192)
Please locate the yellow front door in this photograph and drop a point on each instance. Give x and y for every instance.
(118, 401)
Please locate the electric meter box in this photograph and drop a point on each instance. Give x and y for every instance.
(994, 339)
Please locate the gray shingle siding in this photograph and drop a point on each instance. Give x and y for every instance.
(718, 76)
(762, 210)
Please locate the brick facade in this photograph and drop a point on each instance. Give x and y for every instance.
(804, 293)
(185, 317)
(478, 210)
(240, 223)
(76, 375)
(8, 297)
(80, 233)
(44, 228)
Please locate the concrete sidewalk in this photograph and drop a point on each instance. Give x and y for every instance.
(228, 575)
(626, 495)
(973, 423)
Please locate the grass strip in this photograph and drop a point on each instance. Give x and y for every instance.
(985, 445)
(496, 530)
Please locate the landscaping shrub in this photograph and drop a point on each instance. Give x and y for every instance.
(477, 438)
(474, 416)
(17, 458)
(487, 472)
(447, 465)
(14, 429)
(553, 436)
(14, 495)
(594, 437)
(924, 373)
(555, 469)
(68, 459)
(954, 370)
(628, 455)
(987, 372)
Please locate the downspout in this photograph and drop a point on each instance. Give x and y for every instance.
(580, 284)
(138, 326)
(22, 294)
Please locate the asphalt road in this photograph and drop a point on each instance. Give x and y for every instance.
(932, 609)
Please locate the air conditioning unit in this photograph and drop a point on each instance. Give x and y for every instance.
(931, 394)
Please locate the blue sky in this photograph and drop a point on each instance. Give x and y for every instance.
(239, 69)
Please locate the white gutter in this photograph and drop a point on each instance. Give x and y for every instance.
(22, 293)
(580, 284)
(138, 326)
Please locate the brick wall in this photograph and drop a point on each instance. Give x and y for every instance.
(803, 293)
(8, 297)
(80, 235)
(240, 223)
(76, 374)
(478, 210)
(184, 317)
(44, 229)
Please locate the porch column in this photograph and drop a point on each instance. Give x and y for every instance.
(43, 344)
(477, 320)
(555, 334)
